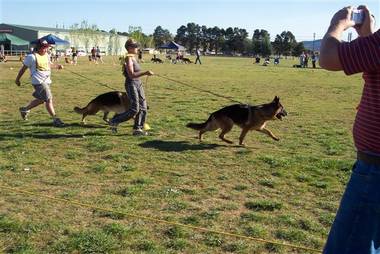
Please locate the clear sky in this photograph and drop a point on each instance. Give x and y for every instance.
(301, 17)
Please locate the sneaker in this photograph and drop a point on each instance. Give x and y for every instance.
(57, 122)
(139, 132)
(24, 113)
(113, 126)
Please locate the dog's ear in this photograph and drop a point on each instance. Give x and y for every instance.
(276, 99)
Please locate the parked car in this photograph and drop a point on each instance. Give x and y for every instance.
(82, 52)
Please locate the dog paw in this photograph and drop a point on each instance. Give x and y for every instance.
(277, 139)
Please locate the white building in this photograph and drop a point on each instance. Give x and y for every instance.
(111, 44)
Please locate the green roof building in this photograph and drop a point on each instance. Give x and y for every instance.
(108, 43)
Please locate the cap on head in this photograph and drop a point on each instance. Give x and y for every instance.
(42, 44)
(131, 43)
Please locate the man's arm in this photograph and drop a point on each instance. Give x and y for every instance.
(20, 73)
(329, 56)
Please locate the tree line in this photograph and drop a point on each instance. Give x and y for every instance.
(232, 40)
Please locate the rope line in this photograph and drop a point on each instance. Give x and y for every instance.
(95, 81)
(200, 89)
(163, 77)
(78, 203)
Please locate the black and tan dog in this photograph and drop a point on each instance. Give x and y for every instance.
(245, 116)
(115, 101)
(156, 60)
(186, 60)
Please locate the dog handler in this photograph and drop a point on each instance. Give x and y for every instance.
(135, 91)
(356, 229)
(40, 70)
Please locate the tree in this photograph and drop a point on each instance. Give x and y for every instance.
(284, 43)
(181, 36)
(135, 32)
(205, 38)
(217, 40)
(85, 33)
(298, 49)
(229, 36)
(193, 34)
(267, 46)
(161, 36)
(261, 43)
(235, 39)
(113, 42)
(74, 34)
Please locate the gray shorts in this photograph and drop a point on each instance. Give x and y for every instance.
(42, 92)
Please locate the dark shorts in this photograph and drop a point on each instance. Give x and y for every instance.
(42, 92)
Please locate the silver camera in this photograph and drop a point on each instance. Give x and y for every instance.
(357, 16)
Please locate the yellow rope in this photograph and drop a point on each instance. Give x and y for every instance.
(77, 203)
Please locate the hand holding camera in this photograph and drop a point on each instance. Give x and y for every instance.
(357, 15)
(364, 21)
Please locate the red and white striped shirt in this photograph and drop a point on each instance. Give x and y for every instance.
(363, 55)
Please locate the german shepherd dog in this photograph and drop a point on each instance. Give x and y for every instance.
(115, 101)
(247, 117)
(156, 60)
(186, 60)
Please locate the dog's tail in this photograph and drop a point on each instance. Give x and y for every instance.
(80, 110)
(199, 126)
(196, 126)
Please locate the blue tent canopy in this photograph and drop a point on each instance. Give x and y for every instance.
(172, 45)
(52, 39)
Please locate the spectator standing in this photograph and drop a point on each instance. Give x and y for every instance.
(306, 61)
(198, 55)
(74, 53)
(302, 60)
(314, 60)
(98, 55)
(93, 54)
(356, 228)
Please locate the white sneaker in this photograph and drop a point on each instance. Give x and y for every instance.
(140, 132)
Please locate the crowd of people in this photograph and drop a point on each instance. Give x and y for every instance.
(305, 57)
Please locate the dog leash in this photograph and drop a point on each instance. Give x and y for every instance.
(96, 82)
(200, 89)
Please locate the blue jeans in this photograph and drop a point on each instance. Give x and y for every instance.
(356, 229)
(138, 107)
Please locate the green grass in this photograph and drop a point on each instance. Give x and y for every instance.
(285, 191)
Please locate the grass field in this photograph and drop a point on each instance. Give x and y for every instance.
(286, 191)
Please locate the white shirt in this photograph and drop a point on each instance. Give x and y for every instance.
(37, 76)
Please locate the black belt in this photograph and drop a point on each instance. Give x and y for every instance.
(369, 159)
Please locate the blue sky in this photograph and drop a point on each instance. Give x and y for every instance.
(302, 18)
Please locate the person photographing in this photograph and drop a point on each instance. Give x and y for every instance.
(40, 66)
(356, 228)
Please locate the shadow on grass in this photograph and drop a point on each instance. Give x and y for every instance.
(177, 146)
(44, 135)
(76, 125)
